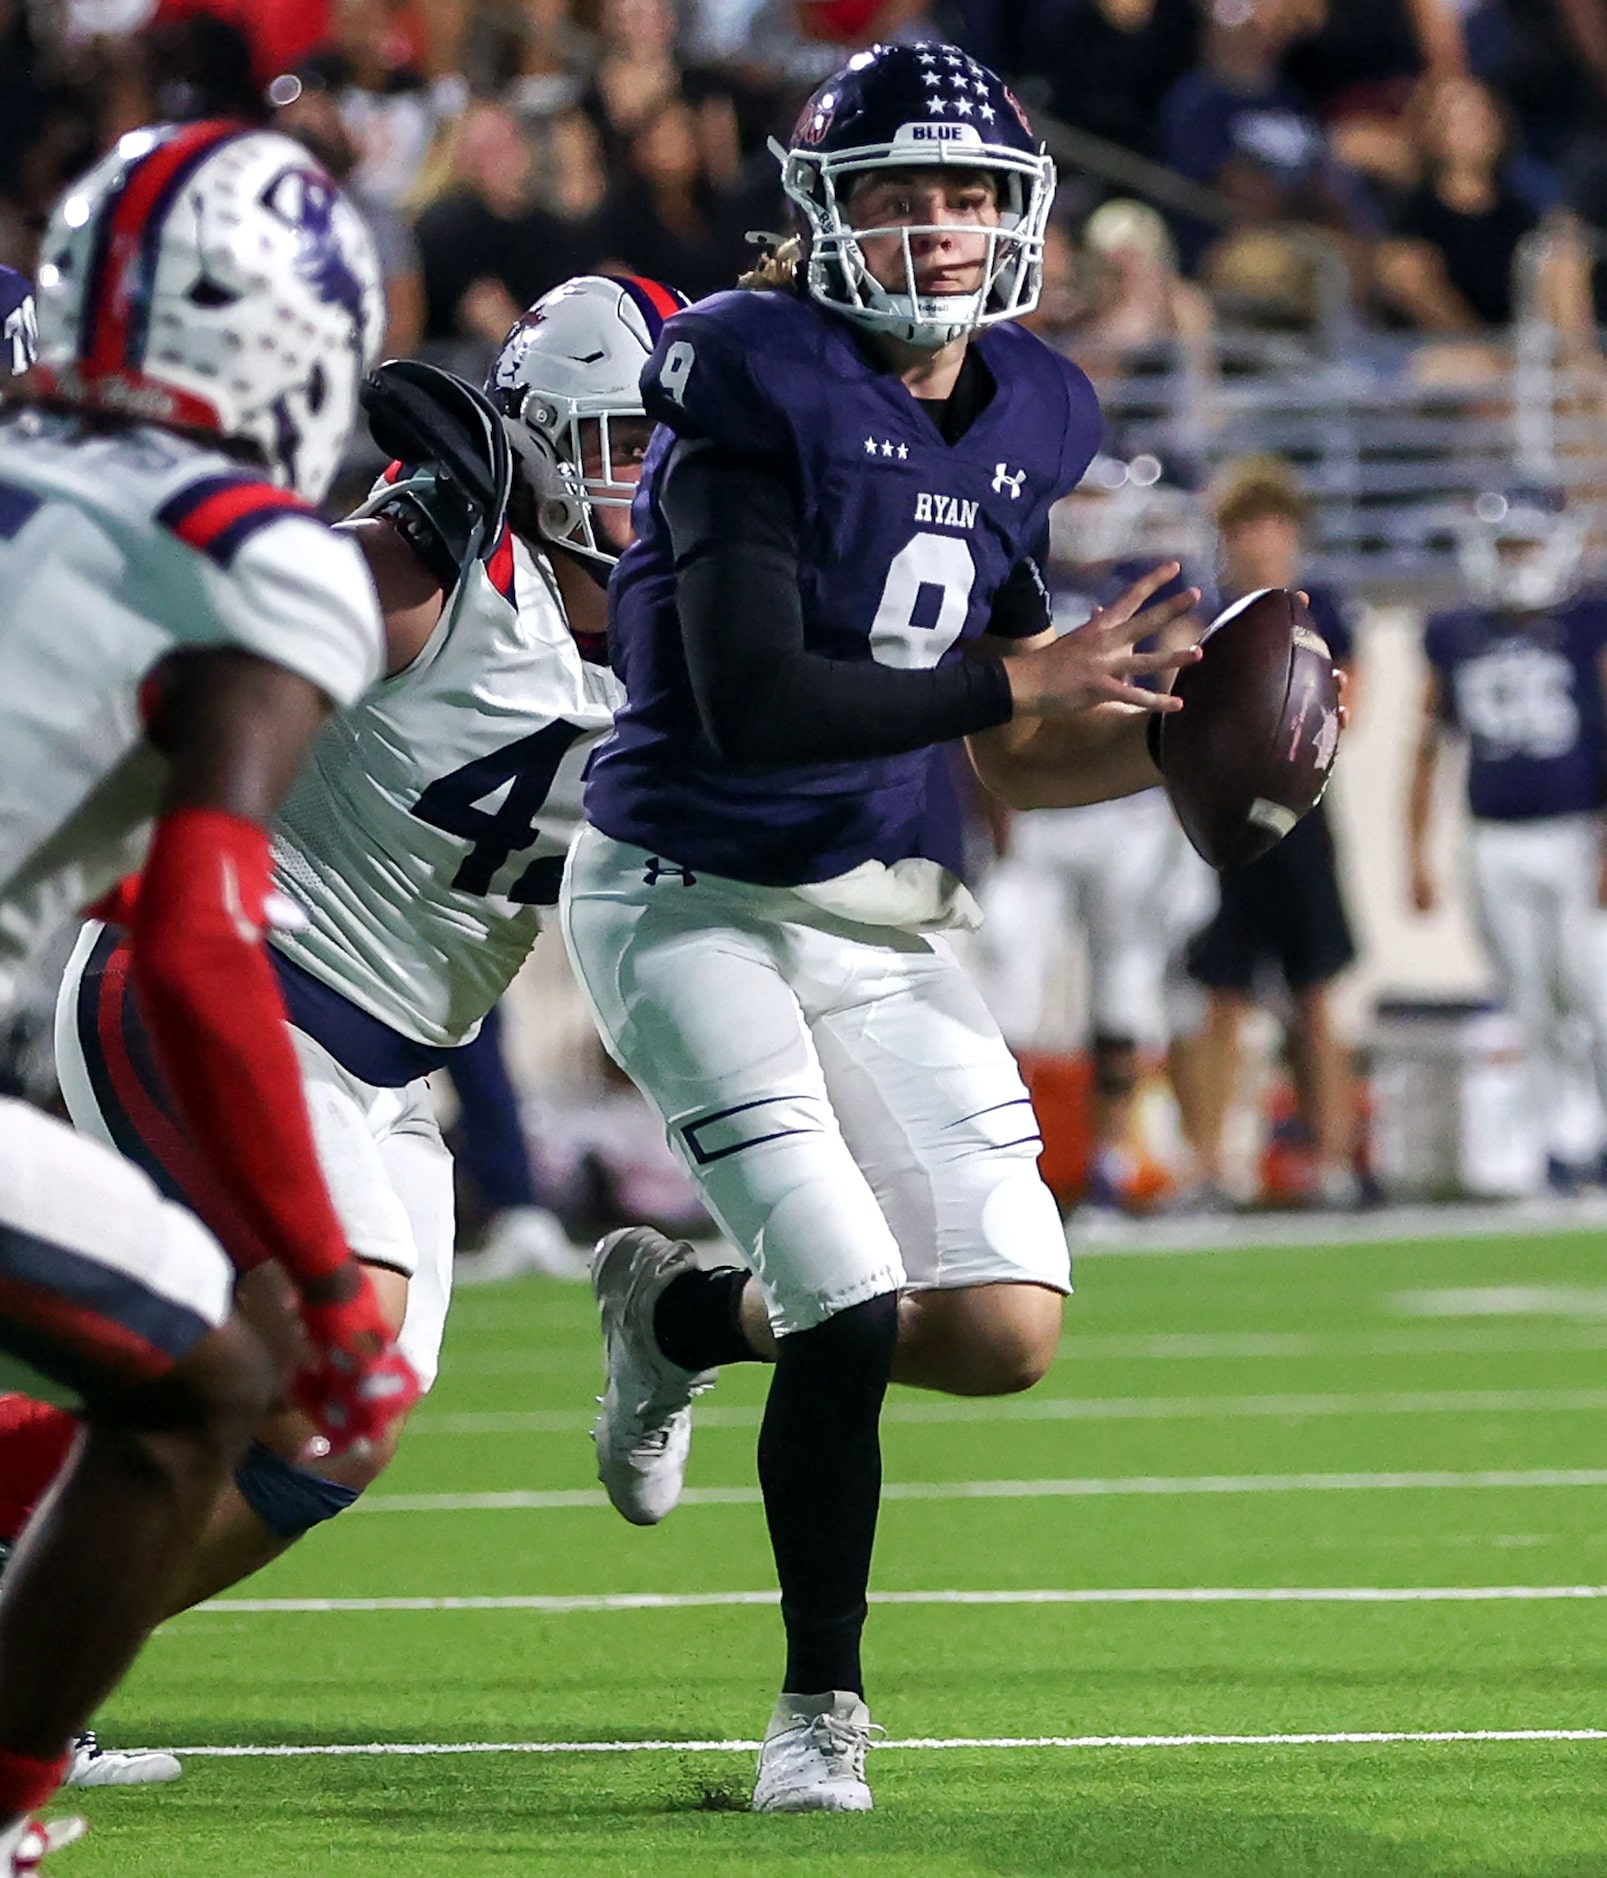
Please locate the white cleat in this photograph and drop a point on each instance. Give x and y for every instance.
(24, 1845)
(813, 1758)
(522, 1240)
(644, 1432)
(95, 1766)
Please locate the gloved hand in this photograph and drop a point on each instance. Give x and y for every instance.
(355, 1382)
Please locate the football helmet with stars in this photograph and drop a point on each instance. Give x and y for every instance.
(917, 107)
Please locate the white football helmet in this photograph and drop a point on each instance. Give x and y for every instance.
(575, 360)
(1520, 551)
(216, 279)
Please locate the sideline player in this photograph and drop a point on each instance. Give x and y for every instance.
(175, 624)
(1286, 911)
(852, 478)
(1119, 874)
(419, 905)
(1521, 675)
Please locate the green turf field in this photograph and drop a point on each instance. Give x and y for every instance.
(1366, 1419)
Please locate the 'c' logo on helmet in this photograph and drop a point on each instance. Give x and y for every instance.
(305, 201)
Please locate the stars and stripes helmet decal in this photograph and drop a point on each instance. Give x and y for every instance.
(917, 107)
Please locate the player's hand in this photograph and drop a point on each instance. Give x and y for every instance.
(355, 1383)
(1098, 663)
(1426, 889)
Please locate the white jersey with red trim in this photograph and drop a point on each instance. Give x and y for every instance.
(116, 549)
(428, 829)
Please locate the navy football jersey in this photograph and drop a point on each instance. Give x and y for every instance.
(905, 539)
(19, 332)
(1526, 691)
(1331, 614)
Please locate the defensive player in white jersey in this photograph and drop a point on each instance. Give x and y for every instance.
(418, 903)
(175, 623)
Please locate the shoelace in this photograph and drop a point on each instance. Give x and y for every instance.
(88, 1743)
(842, 1740)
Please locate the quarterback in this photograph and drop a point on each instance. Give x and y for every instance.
(836, 568)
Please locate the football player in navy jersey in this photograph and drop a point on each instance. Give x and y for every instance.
(1286, 911)
(1518, 674)
(836, 567)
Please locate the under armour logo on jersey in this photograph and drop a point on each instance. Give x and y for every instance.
(886, 447)
(1004, 478)
(657, 870)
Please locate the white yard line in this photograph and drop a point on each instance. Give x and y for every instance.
(1158, 1486)
(1370, 1738)
(1381, 1226)
(707, 1600)
(1519, 1339)
(1079, 1408)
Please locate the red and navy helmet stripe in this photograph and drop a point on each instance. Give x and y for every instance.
(122, 269)
(654, 300)
(219, 514)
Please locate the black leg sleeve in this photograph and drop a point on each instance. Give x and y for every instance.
(820, 1466)
(698, 1319)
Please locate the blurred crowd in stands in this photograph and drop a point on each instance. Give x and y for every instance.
(1216, 153)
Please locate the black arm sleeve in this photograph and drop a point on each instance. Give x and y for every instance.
(761, 697)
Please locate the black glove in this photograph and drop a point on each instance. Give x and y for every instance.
(443, 428)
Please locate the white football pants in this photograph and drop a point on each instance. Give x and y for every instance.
(1535, 894)
(838, 1091)
(1112, 873)
(388, 1171)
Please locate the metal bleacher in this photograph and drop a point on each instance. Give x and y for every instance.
(1394, 434)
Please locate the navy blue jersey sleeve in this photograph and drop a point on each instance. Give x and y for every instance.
(1592, 611)
(1334, 616)
(19, 332)
(1439, 638)
(706, 379)
(1085, 427)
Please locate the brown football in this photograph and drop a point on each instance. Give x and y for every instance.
(1253, 747)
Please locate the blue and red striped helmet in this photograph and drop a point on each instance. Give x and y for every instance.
(569, 370)
(214, 277)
